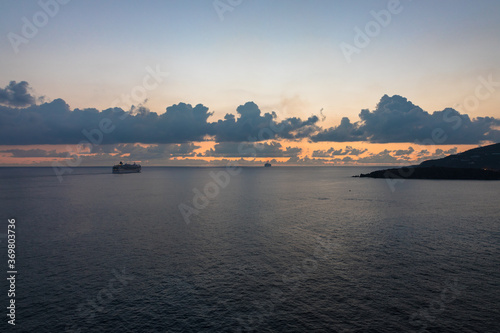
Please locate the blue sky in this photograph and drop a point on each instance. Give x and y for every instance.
(283, 55)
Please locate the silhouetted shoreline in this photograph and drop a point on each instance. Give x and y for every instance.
(434, 173)
(481, 163)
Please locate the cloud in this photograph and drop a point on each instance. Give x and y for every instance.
(323, 153)
(56, 123)
(339, 152)
(396, 119)
(16, 94)
(106, 154)
(402, 152)
(438, 153)
(383, 157)
(33, 153)
(252, 126)
(154, 154)
(246, 149)
(306, 161)
(136, 152)
(405, 156)
(345, 132)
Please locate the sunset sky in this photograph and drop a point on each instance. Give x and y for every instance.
(201, 82)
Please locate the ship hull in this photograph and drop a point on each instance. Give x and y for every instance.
(126, 168)
(126, 171)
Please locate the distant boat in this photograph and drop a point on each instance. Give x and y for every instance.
(267, 165)
(126, 168)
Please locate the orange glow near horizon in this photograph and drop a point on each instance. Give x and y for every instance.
(6, 159)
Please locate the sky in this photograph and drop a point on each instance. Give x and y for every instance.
(203, 82)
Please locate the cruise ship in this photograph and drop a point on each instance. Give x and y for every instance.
(126, 168)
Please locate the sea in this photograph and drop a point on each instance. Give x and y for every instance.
(248, 249)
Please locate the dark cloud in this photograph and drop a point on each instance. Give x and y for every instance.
(252, 126)
(383, 157)
(154, 154)
(111, 153)
(396, 119)
(56, 123)
(16, 94)
(295, 128)
(451, 151)
(323, 153)
(405, 157)
(422, 155)
(246, 149)
(306, 161)
(439, 153)
(248, 126)
(345, 132)
(136, 152)
(423, 152)
(33, 153)
(402, 152)
(339, 152)
(354, 151)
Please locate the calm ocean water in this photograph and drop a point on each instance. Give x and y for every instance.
(275, 250)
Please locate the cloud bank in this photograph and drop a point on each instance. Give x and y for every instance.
(56, 123)
(244, 149)
(395, 119)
